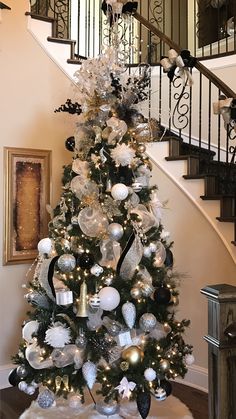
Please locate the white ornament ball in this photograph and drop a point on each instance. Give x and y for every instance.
(150, 374)
(153, 247)
(189, 359)
(46, 399)
(119, 191)
(22, 386)
(115, 231)
(29, 329)
(30, 390)
(45, 246)
(109, 298)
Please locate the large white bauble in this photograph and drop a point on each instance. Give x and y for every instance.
(119, 191)
(109, 298)
(45, 245)
(28, 330)
(150, 374)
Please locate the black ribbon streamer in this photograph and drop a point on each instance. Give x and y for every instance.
(50, 274)
(124, 253)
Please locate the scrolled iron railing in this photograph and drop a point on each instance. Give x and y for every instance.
(186, 111)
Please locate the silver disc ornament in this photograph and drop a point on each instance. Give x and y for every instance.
(147, 322)
(66, 262)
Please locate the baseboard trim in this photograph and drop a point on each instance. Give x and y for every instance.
(196, 377)
(4, 372)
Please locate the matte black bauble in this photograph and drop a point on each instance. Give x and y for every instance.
(143, 403)
(14, 378)
(166, 385)
(169, 260)
(162, 295)
(85, 260)
(70, 143)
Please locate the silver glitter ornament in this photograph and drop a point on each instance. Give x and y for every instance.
(136, 293)
(81, 341)
(107, 409)
(115, 231)
(66, 262)
(129, 314)
(46, 399)
(147, 322)
(89, 371)
(22, 371)
(147, 289)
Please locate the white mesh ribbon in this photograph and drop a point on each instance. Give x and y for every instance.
(147, 219)
(110, 250)
(131, 259)
(92, 221)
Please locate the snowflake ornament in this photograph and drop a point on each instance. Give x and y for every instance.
(57, 335)
(122, 154)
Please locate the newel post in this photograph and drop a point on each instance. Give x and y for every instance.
(221, 340)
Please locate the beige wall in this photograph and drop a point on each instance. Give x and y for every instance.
(31, 87)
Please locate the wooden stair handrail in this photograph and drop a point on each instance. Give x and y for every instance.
(204, 70)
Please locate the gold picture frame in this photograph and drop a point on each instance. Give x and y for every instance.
(27, 183)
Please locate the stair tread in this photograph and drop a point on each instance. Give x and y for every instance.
(74, 61)
(199, 176)
(181, 157)
(226, 219)
(61, 40)
(210, 197)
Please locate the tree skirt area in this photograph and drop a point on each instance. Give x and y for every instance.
(171, 408)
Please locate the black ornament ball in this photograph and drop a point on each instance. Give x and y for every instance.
(162, 295)
(85, 260)
(143, 403)
(166, 385)
(70, 143)
(169, 260)
(14, 378)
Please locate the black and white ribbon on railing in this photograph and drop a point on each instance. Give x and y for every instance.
(178, 65)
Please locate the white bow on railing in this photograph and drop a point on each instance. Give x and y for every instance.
(178, 65)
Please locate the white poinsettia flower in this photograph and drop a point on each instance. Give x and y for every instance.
(58, 335)
(122, 154)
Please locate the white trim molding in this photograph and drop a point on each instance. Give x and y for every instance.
(196, 377)
(4, 372)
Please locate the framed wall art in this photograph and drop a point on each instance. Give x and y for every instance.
(27, 192)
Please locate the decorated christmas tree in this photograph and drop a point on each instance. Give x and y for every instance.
(104, 290)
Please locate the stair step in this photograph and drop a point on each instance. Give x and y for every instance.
(61, 40)
(189, 177)
(226, 219)
(181, 157)
(74, 61)
(210, 197)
